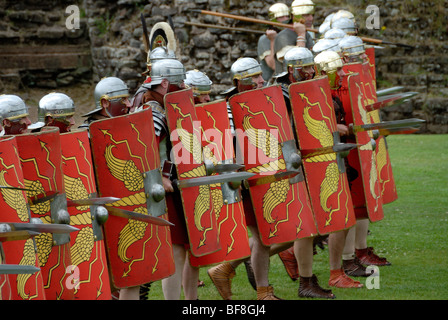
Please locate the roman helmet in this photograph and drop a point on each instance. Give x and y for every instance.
(346, 24)
(199, 81)
(326, 44)
(110, 88)
(352, 47)
(12, 107)
(55, 105)
(171, 69)
(298, 58)
(244, 69)
(300, 8)
(335, 34)
(278, 10)
(329, 62)
(343, 14)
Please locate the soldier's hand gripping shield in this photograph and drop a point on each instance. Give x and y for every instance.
(266, 145)
(138, 239)
(316, 128)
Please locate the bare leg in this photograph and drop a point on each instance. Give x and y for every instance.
(303, 250)
(132, 293)
(336, 242)
(172, 285)
(259, 259)
(190, 278)
(362, 227)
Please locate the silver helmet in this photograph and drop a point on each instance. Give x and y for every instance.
(244, 69)
(278, 10)
(297, 58)
(326, 44)
(171, 69)
(55, 105)
(109, 88)
(335, 34)
(330, 62)
(343, 14)
(352, 46)
(347, 25)
(199, 81)
(301, 7)
(12, 107)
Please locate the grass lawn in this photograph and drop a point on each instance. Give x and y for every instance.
(412, 235)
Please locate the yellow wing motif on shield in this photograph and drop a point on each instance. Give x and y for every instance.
(127, 172)
(192, 144)
(14, 198)
(320, 130)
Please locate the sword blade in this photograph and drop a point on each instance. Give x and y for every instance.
(17, 269)
(42, 227)
(39, 199)
(17, 235)
(388, 132)
(339, 147)
(227, 167)
(387, 125)
(221, 178)
(91, 201)
(137, 216)
(14, 188)
(386, 91)
(390, 100)
(271, 178)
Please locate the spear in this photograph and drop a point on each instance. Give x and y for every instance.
(283, 25)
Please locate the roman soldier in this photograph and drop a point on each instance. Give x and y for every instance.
(278, 12)
(302, 12)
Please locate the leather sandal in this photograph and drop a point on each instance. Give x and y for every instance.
(221, 276)
(310, 288)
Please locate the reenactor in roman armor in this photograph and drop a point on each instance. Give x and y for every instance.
(302, 12)
(167, 75)
(299, 66)
(139, 246)
(278, 12)
(218, 151)
(330, 64)
(87, 246)
(356, 60)
(266, 241)
(15, 115)
(40, 156)
(20, 274)
(55, 110)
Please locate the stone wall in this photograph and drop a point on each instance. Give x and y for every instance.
(114, 33)
(36, 48)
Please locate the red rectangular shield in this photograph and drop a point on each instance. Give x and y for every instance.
(41, 160)
(384, 165)
(124, 150)
(218, 148)
(282, 209)
(88, 253)
(14, 204)
(315, 124)
(186, 143)
(365, 189)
